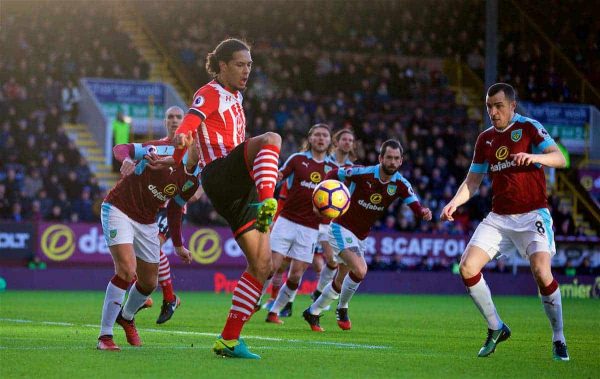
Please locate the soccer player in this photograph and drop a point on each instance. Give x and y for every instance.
(373, 189)
(129, 225)
(324, 264)
(236, 174)
(297, 227)
(170, 301)
(513, 152)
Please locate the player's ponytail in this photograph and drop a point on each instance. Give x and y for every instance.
(223, 53)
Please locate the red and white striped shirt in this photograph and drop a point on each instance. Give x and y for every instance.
(219, 118)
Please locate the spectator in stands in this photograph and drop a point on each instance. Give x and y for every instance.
(70, 102)
(121, 132)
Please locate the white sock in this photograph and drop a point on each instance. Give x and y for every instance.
(112, 305)
(134, 301)
(327, 297)
(284, 296)
(482, 297)
(553, 307)
(325, 277)
(349, 286)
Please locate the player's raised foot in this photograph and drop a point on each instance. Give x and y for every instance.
(269, 304)
(287, 310)
(106, 343)
(559, 351)
(147, 304)
(343, 321)
(233, 349)
(266, 212)
(494, 337)
(133, 338)
(315, 295)
(167, 309)
(312, 320)
(273, 318)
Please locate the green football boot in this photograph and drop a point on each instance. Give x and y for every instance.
(266, 212)
(233, 349)
(494, 337)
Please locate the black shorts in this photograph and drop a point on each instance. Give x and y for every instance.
(231, 190)
(163, 224)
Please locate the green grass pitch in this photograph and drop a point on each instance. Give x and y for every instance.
(53, 334)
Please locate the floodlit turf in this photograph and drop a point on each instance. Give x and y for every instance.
(53, 334)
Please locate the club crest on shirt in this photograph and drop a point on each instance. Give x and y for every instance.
(112, 233)
(391, 189)
(375, 198)
(315, 177)
(187, 186)
(516, 135)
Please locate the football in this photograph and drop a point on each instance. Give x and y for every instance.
(331, 198)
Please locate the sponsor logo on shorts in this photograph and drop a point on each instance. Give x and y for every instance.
(370, 206)
(391, 189)
(376, 198)
(516, 135)
(348, 239)
(112, 233)
(157, 194)
(58, 242)
(315, 177)
(502, 153)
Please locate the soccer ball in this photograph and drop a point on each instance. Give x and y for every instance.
(331, 198)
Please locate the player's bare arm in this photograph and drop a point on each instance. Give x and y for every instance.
(184, 254)
(467, 189)
(127, 167)
(551, 157)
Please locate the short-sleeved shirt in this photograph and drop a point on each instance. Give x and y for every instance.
(370, 197)
(302, 174)
(516, 189)
(224, 123)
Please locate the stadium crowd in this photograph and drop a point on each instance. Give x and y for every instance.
(350, 72)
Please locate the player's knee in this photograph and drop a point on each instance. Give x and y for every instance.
(271, 138)
(467, 270)
(360, 273)
(126, 273)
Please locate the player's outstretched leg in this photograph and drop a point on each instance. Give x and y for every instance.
(264, 172)
(167, 309)
(349, 287)
(137, 297)
(313, 313)
(494, 337)
(343, 320)
(287, 292)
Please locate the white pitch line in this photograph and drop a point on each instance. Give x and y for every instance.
(205, 334)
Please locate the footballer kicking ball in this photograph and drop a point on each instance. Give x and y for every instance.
(331, 198)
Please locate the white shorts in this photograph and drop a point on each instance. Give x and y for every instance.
(324, 232)
(342, 239)
(119, 229)
(293, 240)
(527, 232)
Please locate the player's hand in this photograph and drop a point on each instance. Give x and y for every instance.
(183, 140)
(127, 167)
(157, 162)
(184, 254)
(426, 214)
(447, 212)
(523, 159)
